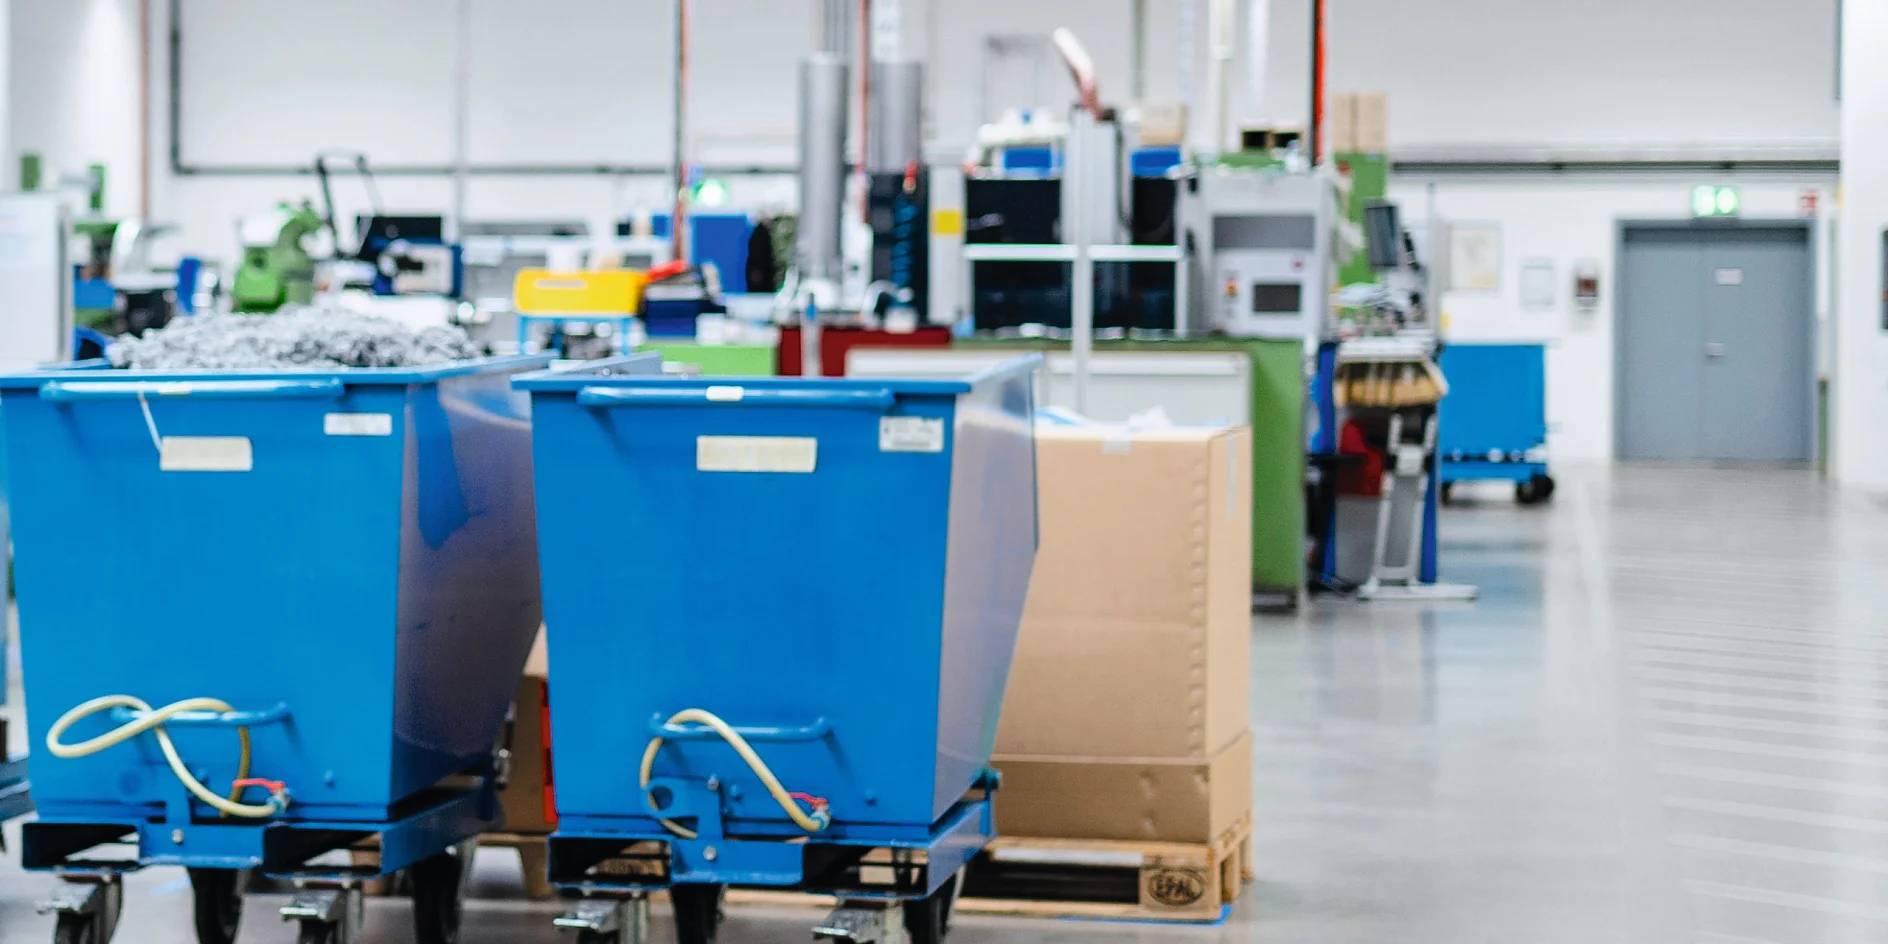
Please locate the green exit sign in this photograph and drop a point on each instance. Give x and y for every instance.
(1715, 201)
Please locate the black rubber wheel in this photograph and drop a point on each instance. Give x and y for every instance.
(219, 903)
(1534, 491)
(318, 932)
(76, 929)
(697, 912)
(1447, 492)
(438, 904)
(928, 919)
(598, 937)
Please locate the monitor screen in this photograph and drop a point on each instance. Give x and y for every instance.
(1383, 232)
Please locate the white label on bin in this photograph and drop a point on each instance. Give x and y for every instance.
(910, 434)
(206, 454)
(726, 394)
(756, 453)
(358, 424)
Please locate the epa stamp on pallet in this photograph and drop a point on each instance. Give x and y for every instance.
(1148, 881)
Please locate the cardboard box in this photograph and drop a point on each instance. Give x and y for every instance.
(1135, 642)
(1340, 123)
(1162, 123)
(1373, 122)
(526, 799)
(1146, 799)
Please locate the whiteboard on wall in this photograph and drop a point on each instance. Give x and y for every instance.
(570, 83)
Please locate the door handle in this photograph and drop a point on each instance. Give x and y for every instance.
(1713, 349)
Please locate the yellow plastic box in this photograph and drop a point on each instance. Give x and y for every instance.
(543, 292)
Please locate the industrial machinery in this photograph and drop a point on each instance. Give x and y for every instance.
(745, 723)
(898, 198)
(1053, 206)
(1265, 241)
(276, 269)
(1379, 387)
(334, 664)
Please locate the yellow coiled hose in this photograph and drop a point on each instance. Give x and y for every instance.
(812, 823)
(153, 721)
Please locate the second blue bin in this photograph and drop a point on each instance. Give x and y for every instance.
(829, 572)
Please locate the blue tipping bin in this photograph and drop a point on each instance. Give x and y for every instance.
(346, 559)
(1494, 420)
(835, 569)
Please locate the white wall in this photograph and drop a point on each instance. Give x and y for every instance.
(1861, 388)
(1568, 220)
(587, 80)
(72, 70)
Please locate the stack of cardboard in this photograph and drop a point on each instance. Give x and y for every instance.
(526, 798)
(1126, 713)
(530, 812)
(1357, 123)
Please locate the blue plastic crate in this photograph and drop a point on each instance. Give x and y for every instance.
(348, 558)
(835, 568)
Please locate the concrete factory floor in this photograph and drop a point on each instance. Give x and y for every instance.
(1664, 722)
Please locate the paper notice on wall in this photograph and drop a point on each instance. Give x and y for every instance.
(1475, 257)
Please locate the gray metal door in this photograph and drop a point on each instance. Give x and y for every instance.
(1714, 342)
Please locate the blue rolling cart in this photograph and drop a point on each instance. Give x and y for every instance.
(323, 586)
(1494, 419)
(786, 669)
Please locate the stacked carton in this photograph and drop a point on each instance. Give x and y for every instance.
(1126, 713)
(1357, 123)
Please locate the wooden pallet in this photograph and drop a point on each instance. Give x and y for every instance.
(1073, 878)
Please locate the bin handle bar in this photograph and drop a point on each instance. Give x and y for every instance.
(873, 400)
(166, 389)
(701, 732)
(209, 719)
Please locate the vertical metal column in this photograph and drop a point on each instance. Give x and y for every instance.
(461, 116)
(824, 79)
(678, 220)
(1078, 188)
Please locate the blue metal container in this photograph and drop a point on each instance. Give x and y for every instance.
(1494, 419)
(835, 568)
(346, 557)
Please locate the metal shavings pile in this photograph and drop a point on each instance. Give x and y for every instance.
(295, 337)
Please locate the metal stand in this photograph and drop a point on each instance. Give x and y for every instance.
(1409, 464)
(863, 922)
(608, 920)
(328, 915)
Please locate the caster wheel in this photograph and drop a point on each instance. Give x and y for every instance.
(76, 929)
(219, 903)
(1534, 491)
(318, 932)
(928, 919)
(1447, 492)
(697, 912)
(438, 897)
(598, 937)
